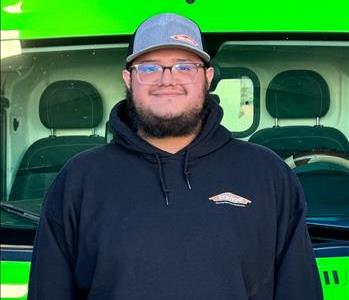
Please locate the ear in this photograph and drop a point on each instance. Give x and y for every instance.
(209, 76)
(126, 75)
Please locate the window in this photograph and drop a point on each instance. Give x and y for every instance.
(76, 86)
(236, 99)
(246, 73)
(238, 91)
(292, 97)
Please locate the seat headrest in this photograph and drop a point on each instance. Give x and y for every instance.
(297, 94)
(69, 104)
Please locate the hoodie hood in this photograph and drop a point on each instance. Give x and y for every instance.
(211, 137)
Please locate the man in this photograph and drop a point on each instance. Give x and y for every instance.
(174, 207)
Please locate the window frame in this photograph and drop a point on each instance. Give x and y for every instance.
(236, 73)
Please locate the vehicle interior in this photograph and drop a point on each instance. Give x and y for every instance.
(289, 98)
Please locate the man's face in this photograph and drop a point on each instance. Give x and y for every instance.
(168, 108)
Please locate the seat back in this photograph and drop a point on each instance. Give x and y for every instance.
(66, 104)
(299, 94)
(325, 186)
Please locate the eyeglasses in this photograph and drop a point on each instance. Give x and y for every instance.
(182, 73)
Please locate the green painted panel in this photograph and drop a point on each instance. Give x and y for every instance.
(69, 18)
(14, 280)
(335, 284)
(334, 274)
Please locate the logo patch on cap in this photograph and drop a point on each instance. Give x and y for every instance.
(230, 198)
(185, 38)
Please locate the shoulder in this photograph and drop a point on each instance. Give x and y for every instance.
(272, 172)
(78, 177)
(90, 164)
(253, 153)
(261, 162)
(96, 157)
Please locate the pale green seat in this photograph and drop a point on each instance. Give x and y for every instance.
(66, 104)
(297, 95)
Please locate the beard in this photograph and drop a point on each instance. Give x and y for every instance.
(152, 125)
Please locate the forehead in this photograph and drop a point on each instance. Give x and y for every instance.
(168, 55)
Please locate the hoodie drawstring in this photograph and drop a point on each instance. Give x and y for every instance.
(162, 179)
(186, 169)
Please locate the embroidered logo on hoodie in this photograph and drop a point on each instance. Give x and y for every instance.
(230, 198)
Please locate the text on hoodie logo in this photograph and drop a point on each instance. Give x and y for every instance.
(230, 198)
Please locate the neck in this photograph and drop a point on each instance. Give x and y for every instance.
(171, 144)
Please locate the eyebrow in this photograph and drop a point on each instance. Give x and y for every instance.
(185, 59)
(147, 61)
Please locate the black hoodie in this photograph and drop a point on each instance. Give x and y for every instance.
(221, 219)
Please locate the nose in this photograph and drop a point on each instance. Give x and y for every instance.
(167, 77)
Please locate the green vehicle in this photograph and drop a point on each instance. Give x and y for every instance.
(282, 78)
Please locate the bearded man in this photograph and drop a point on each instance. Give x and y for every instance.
(174, 208)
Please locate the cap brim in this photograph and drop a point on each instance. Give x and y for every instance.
(198, 52)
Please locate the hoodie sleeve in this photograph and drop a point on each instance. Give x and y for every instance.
(297, 275)
(51, 274)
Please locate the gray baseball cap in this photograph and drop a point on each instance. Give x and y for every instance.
(167, 31)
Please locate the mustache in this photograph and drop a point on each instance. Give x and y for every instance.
(161, 90)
